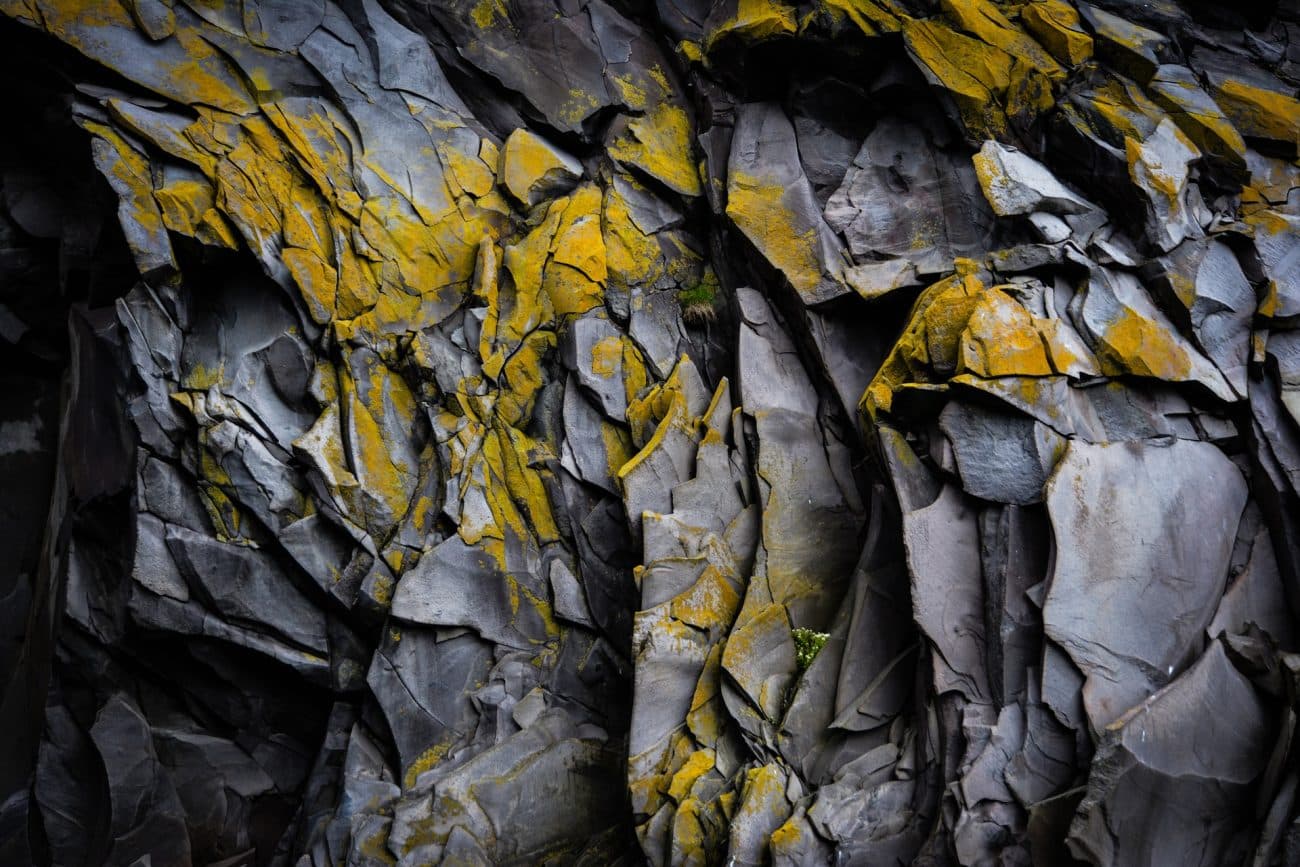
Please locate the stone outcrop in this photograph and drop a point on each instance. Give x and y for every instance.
(854, 432)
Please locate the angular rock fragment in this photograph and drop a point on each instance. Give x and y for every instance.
(1179, 763)
(1015, 184)
(532, 169)
(1157, 523)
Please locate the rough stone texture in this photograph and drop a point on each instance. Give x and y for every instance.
(437, 432)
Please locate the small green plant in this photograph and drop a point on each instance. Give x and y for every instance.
(697, 301)
(807, 644)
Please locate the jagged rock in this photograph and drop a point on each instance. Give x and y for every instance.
(1015, 184)
(771, 201)
(1165, 765)
(905, 196)
(1162, 519)
(1000, 457)
(532, 169)
(691, 432)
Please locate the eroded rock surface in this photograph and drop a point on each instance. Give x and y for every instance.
(853, 432)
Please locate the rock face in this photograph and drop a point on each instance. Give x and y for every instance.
(853, 432)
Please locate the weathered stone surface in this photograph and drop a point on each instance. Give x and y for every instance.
(1015, 184)
(1143, 534)
(1168, 764)
(691, 432)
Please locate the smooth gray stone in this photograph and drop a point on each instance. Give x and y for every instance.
(1114, 298)
(1017, 185)
(1129, 47)
(1001, 457)
(1014, 552)
(148, 819)
(1166, 785)
(421, 685)
(456, 584)
(586, 452)
(567, 595)
(1279, 251)
(1143, 535)
(246, 585)
(1256, 596)
(900, 189)
(585, 350)
(942, 541)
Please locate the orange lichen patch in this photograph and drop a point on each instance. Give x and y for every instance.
(189, 70)
(526, 261)
(690, 833)
(578, 258)
(317, 280)
(516, 493)
(607, 356)
(1065, 349)
(253, 181)
(631, 257)
(486, 291)
(697, 765)
(661, 144)
(579, 106)
(528, 163)
(127, 172)
(1257, 112)
(521, 307)
(945, 322)
(976, 75)
(1198, 117)
(636, 376)
(1029, 92)
(764, 785)
(705, 719)
(677, 417)
(426, 261)
(188, 209)
(1056, 25)
(56, 16)
(487, 13)
(522, 377)
(711, 603)
(1270, 222)
(1134, 344)
(618, 446)
(951, 300)
(1119, 111)
(754, 21)
(204, 78)
(868, 17)
(223, 512)
(1147, 169)
(358, 289)
(469, 171)
(758, 206)
(785, 837)
(318, 146)
(646, 412)
(387, 480)
(982, 20)
(1001, 340)
(164, 134)
(423, 762)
